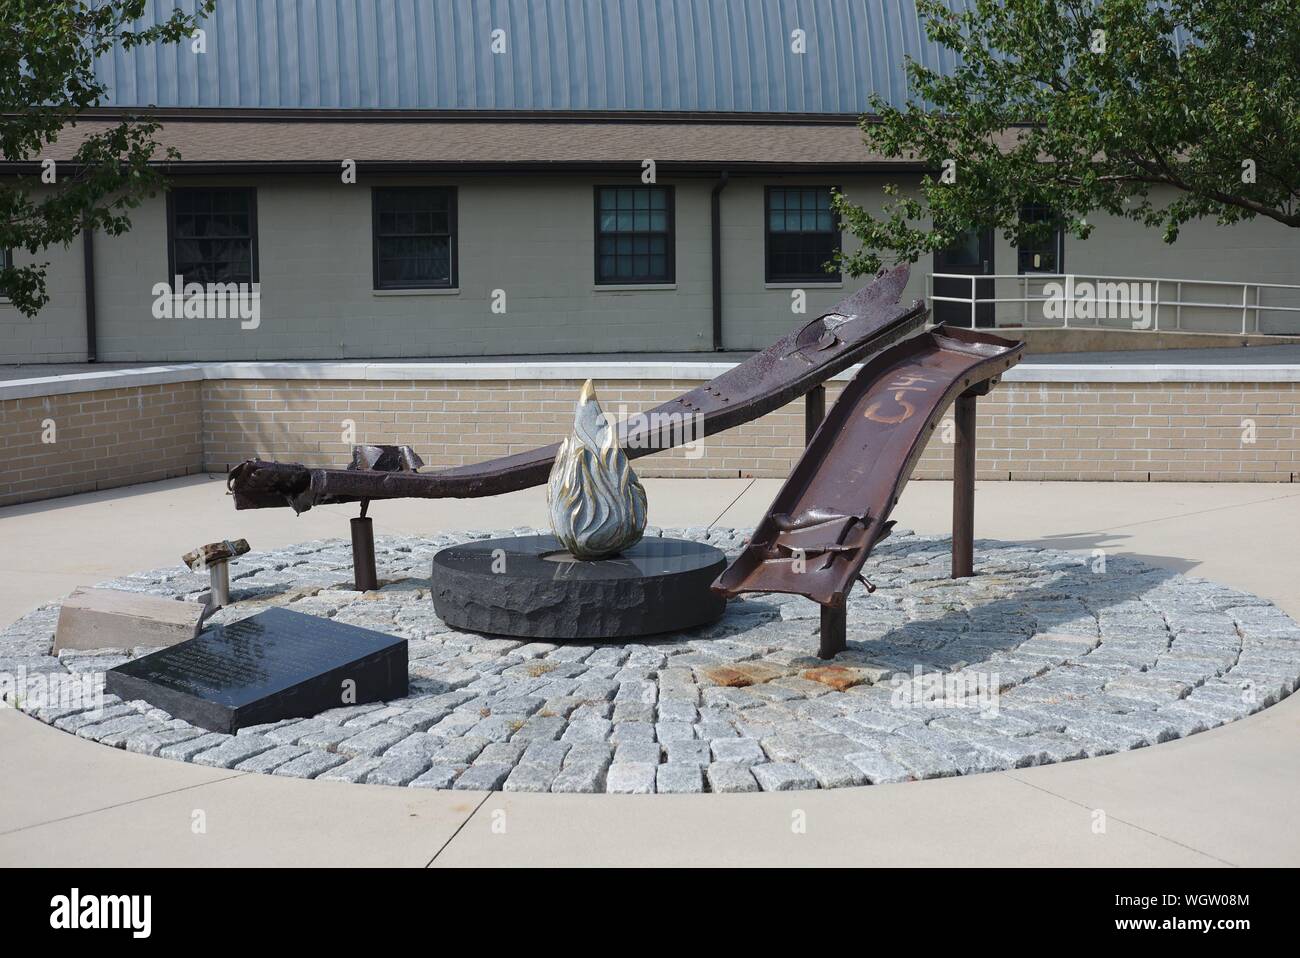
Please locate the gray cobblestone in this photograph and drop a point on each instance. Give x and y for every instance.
(632, 732)
(688, 753)
(879, 768)
(679, 779)
(546, 754)
(150, 741)
(353, 770)
(737, 751)
(185, 750)
(507, 752)
(730, 777)
(439, 776)
(326, 735)
(834, 772)
(588, 730)
(234, 750)
(79, 720)
(540, 728)
(487, 777)
(417, 743)
(581, 777)
(398, 769)
(459, 751)
(631, 778)
(527, 777)
(643, 753)
(782, 776)
(674, 732)
(115, 732)
(272, 759)
(373, 741)
(1087, 664)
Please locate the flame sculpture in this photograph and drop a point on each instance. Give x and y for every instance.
(596, 502)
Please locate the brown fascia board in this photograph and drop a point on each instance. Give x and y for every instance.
(472, 168)
(274, 115)
(711, 167)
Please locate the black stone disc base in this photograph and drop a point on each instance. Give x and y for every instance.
(529, 587)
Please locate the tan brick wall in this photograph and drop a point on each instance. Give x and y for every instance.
(456, 423)
(114, 437)
(1080, 431)
(1171, 432)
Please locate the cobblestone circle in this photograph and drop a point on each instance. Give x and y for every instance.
(1044, 656)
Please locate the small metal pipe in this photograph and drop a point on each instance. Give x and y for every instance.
(219, 584)
(715, 220)
(92, 334)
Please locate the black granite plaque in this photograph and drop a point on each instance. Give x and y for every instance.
(274, 665)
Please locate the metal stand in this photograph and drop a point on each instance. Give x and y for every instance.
(219, 584)
(814, 411)
(363, 553)
(833, 633)
(963, 488)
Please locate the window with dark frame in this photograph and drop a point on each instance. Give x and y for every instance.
(634, 235)
(212, 235)
(803, 234)
(1044, 254)
(414, 237)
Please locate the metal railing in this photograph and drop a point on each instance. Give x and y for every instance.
(1094, 301)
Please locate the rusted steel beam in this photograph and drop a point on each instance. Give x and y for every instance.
(862, 324)
(835, 505)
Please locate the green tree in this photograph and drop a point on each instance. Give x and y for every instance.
(48, 50)
(1159, 111)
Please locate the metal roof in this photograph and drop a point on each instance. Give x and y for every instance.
(607, 55)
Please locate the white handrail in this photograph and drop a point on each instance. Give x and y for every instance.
(1131, 279)
(1100, 288)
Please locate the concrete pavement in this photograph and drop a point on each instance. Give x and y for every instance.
(1225, 797)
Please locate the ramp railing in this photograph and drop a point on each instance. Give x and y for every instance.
(1144, 303)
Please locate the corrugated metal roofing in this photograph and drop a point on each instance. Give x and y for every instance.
(669, 55)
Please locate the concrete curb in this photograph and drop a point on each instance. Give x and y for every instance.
(596, 369)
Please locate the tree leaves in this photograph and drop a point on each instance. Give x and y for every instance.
(1091, 105)
(47, 78)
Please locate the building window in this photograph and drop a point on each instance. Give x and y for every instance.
(6, 258)
(803, 235)
(1044, 254)
(634, 234)
(415, 237)
(212, 235)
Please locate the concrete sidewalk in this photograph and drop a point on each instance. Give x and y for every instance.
(1225, 797)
